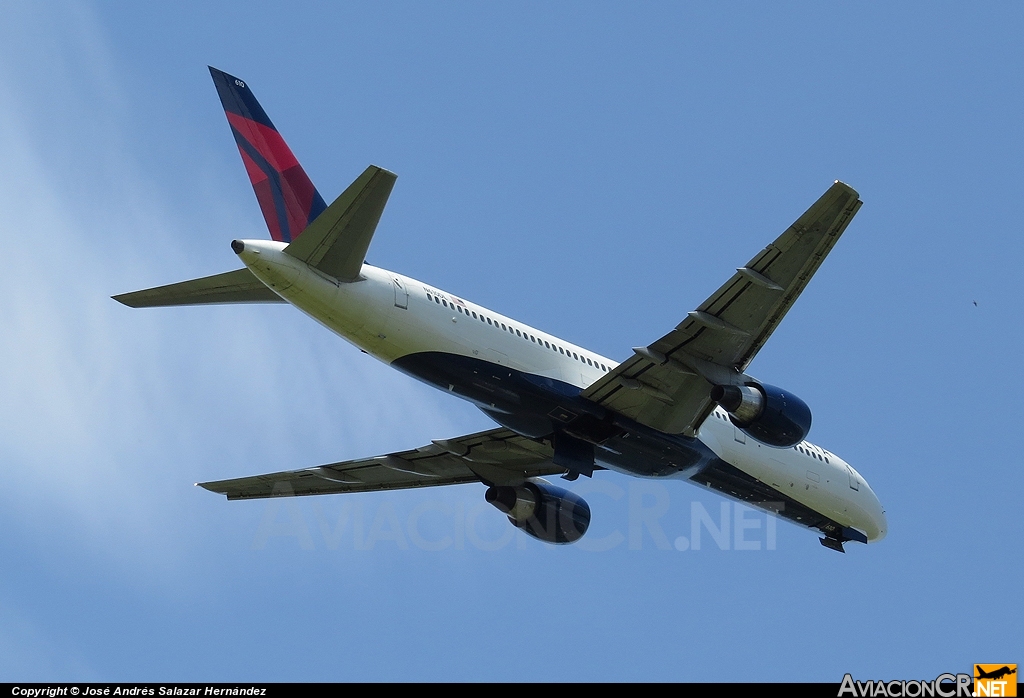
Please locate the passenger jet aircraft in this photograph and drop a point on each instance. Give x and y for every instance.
(680, 407)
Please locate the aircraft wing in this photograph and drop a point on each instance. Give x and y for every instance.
(498, 456)
(667, 384)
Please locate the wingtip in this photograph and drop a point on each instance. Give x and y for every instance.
(385, 170)
(210, 487)
(840, 183)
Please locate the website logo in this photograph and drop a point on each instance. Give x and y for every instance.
(995, 680)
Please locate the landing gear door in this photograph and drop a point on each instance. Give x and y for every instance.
(401, 293)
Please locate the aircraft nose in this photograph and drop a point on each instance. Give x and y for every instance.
(879, 522)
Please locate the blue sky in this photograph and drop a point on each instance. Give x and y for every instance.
(593, 169)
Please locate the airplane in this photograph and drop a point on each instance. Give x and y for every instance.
(681, 407)
(996, 674)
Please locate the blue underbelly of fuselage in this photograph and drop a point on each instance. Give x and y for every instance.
(538, 407)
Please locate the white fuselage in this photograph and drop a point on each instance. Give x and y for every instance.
(390, 316)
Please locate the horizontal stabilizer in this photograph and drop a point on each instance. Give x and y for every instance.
(336, 242)
(230, 287)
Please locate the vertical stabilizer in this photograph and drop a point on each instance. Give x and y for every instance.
(286, 195)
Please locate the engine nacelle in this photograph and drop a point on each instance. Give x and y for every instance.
(769, 414)
(542, 510)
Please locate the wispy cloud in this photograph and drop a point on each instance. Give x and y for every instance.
(107, 414)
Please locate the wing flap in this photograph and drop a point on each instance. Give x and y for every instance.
(498, 455)
(336, 242)
(238, 286)
(716, 342)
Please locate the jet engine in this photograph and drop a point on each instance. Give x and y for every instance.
(769, 414)
(542, 510)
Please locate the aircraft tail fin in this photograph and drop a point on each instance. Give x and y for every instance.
(286, 195)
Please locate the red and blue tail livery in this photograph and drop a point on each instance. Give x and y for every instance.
(286, 195)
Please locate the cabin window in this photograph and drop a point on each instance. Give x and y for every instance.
(546, 344)
(437, 300)
(489, 321)
(519, 333)
(429, 298)
(575, 357)
(474, 314)
(561, 350)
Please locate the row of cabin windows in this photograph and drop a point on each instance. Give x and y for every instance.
(518, 333)
(808, 452)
